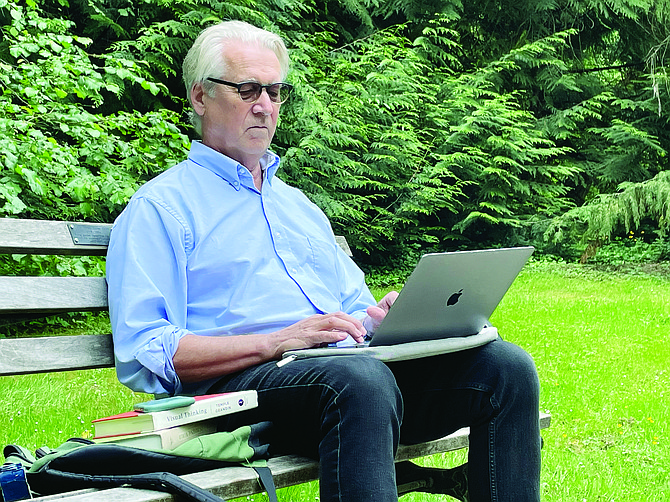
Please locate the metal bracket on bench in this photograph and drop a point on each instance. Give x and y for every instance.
(89, 235)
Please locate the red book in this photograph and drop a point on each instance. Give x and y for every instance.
(204, 408)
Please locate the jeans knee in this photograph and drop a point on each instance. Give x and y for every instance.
(367, 387)
(517, 373)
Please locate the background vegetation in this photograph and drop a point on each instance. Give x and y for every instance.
(416, 124)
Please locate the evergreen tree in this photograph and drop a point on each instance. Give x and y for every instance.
(415, 125)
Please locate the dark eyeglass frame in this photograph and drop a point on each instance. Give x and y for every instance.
(251, 95)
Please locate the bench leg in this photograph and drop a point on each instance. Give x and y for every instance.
(453, 482)
(414, 478)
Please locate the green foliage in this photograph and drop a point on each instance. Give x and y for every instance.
(22, 264)
(403, 155)
(633, 248)
(515, 170)
(625, 210)
(415, 125)
(60, 158)
(361, 138)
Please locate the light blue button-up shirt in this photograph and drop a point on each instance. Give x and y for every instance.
(200, 250)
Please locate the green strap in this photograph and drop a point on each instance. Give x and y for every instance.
(18, 455)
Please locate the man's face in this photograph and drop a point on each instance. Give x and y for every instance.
(241, 130)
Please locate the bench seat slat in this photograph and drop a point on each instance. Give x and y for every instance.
(48, 295)
(20, 356)
(21, 236)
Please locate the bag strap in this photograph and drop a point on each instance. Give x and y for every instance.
(168, 482)
(19, 455)
(159, 481)
(171, 483)
(265, 477)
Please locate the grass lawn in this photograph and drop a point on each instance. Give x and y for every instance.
(601, 345)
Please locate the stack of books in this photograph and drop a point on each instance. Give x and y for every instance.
(175, 421)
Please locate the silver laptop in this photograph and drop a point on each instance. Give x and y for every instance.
(448, 295)
(451, 295)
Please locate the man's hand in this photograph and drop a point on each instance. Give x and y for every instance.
(203, 357)
(316, 330)
(376, 314)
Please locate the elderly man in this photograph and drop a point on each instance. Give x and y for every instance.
(217, 267)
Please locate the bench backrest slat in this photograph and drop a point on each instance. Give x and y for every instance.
(52, 237)
(49, 295)
(55, 353)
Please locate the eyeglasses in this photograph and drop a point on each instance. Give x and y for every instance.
(251, 91)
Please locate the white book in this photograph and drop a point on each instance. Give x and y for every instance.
(204, 408)
(165, 439)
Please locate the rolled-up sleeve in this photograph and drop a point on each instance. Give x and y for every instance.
(147, 288)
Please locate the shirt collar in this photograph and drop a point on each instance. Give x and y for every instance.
(228, 169)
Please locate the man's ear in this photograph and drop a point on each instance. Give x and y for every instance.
(197, 98)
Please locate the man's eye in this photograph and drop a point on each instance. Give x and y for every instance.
(247, 94)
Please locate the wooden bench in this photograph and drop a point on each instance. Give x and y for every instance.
(23, 298)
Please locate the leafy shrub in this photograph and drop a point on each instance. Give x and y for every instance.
(60, 157)
(633, 249)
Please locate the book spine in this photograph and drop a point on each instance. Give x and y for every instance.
(205, 409)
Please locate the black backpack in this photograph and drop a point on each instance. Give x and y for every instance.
(80, 463)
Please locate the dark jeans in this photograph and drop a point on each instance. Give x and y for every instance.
(351, 411)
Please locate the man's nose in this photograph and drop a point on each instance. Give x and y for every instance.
(263, 104)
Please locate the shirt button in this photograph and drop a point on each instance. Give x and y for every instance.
(294, 270)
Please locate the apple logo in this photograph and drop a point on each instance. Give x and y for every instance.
(453, 299)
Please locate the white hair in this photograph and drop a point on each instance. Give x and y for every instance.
(206, 57)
